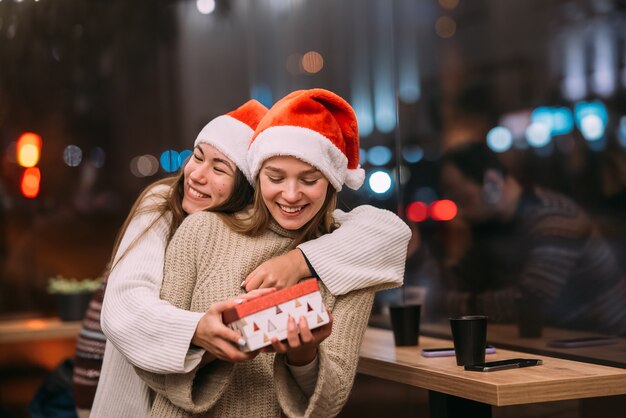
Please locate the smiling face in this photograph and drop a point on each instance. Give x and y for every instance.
(209, 179)
(292, 190)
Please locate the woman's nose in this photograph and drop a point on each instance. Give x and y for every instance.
(198, 175)
(291, 192)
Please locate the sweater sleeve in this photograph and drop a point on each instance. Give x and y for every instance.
(338, 358)
(151, 333)
(185, 254)
(368, 249)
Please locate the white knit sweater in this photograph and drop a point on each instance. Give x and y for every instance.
(144, 331)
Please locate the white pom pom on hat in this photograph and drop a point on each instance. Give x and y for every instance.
(316, 126)
(231, 133)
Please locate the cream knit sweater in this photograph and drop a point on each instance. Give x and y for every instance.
(205, 263)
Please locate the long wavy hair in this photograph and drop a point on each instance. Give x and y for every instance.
(170, 202)
(258, 218)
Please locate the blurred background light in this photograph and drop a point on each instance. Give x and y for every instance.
(449, 4)
(263, 94)
(72, 156)
(499, 139)
(28, 149)
(574, 85)
(182, 157)
(379, 155)
(380, 182)
(205, 6)
(591, 119)
(445, 27)
(443, 210)
(362, 156)
(538, 134)
(383, 69)
(312, 62)
(169, 161)
(417, 211)
(603, 78)
(30, 184)
(412, 153)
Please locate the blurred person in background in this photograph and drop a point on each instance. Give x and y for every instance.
(527, 243)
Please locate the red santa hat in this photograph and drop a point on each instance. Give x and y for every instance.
(316, 126)
(230, 134)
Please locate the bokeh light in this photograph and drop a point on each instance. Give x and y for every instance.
(417, 211)
(379, 155)
(622, 131)
(183, 156)
(443, 210)
(412, 153)
(380, 182)
(169, 161)
(538, 134)
(445, 27)
(312, 62)
(499, 139)
(205, 6)
(30, 184)
(28, 149)
(72, 156)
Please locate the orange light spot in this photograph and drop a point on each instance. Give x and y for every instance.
(28, 149)
(36, 324)
(30, 182)
(417, 211)
(443, 210)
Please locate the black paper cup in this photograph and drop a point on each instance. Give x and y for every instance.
(405, 322)
(470, 339)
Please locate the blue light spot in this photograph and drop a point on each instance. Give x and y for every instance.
(169, 161)
(182, 157)
(538, 135)
(499, 139)
(412, 153)
(426, 194)
(263, 94)
(562, 121)
(591, 119)
(380, 182)
(379, 155)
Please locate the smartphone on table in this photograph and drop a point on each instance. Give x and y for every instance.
(449, 351)
(512, 363)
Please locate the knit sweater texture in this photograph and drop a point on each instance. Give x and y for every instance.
(205, 263)
(150, 333)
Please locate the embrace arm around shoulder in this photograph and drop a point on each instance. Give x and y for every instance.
(368, 249)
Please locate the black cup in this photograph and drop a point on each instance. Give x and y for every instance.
(470, 339)
(529, 317)
(405, 322)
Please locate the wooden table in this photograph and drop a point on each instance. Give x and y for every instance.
(506, 336)
(37, 329)
(456, 392)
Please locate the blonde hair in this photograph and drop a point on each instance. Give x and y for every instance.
(259, 218)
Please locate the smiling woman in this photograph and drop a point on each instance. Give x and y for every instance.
(293, 191)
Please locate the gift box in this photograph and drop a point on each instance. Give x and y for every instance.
(260, 319)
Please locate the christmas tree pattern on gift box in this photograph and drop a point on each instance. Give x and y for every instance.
(260, 319)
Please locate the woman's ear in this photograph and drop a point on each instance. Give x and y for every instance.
(493, 184)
